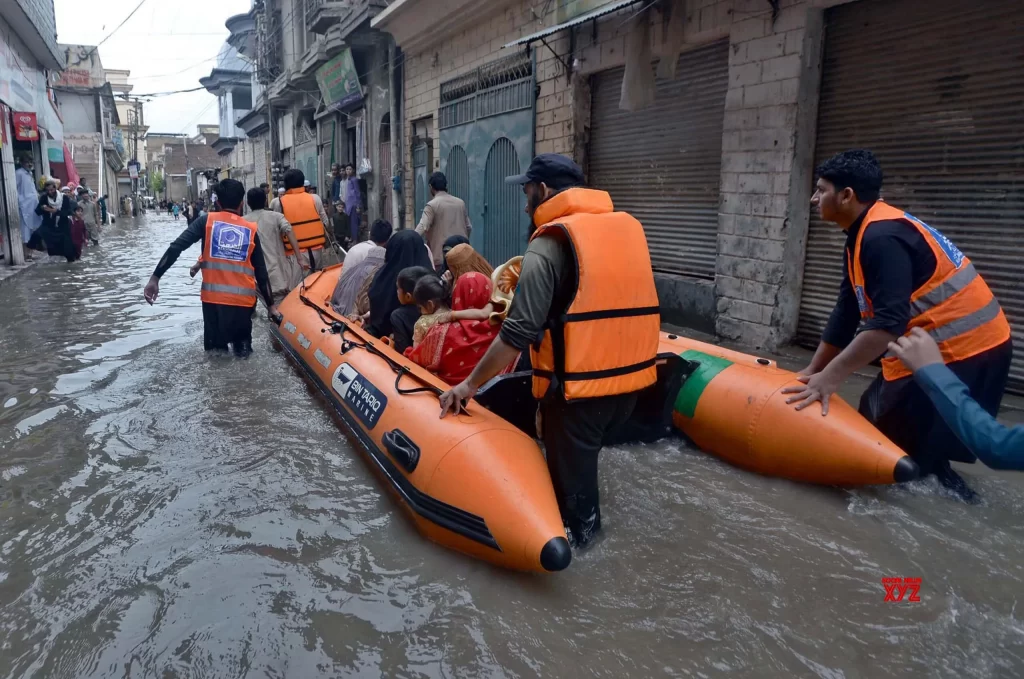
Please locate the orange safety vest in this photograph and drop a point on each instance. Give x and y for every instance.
(955, 306)
(300, 210)
(226, 261)
(606, 341)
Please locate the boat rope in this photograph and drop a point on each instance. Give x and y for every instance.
(339, 327)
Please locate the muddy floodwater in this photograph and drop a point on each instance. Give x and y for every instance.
(164, 513)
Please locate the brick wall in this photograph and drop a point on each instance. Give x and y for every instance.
(767, 144)
(458, 54)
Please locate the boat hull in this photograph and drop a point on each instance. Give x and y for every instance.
(473, 483)
(733, 406)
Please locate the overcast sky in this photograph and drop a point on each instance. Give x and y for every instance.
(167, 45)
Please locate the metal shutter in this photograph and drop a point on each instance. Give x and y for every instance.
(663, 164)
(936, 90)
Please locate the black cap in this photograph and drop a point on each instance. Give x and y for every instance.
(553, 169)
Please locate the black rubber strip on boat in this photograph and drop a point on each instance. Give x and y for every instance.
(445, 515)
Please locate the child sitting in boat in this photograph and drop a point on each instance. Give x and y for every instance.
(457, 339)
(405, 317)
(432, 297)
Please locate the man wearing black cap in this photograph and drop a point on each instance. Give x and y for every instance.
(587, 310)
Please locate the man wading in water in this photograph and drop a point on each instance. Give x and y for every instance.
(587, 310)
(234, 271)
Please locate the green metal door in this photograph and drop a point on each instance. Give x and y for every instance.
(486, 121)
(504, 218)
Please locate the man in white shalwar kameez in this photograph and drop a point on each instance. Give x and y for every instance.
(28, 199)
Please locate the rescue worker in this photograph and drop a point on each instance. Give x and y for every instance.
(900, 273)
(305, 213)
(587, 311)
(234, 271)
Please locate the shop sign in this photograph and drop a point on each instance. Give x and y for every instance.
(339, 82)
(74, 77)
(25, 126)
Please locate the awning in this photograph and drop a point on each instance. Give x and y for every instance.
(581, 19)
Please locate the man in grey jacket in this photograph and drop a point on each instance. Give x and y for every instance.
(443, 217)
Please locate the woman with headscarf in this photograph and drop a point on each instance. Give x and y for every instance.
(450, 243)
(463, 259)
(452, 349)
(353, 278)
(405, 249)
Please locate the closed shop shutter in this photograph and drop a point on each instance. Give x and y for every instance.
(936, 90)
(663, 164)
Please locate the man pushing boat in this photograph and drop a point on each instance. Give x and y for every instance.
(900, 274)
(587, 310)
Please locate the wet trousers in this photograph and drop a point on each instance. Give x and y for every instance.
(573, 434)
(225, 325)
(903, 412)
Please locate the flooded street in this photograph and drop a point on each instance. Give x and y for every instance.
(164, 513)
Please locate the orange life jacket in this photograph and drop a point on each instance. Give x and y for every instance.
(300, 210)
(955, 306)
(606, 341)
(226, 261)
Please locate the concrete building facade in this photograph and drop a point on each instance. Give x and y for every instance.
(29, 54)
(715, 149)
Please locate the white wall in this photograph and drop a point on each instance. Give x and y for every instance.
(78, 112)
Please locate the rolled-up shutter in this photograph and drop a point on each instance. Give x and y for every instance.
(936, 90)
(663, 163)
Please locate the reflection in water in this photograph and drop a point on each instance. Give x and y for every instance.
(167, 513)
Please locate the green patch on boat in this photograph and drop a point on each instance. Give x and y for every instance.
(689, 395)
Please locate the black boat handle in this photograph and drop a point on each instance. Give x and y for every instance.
(402, 449)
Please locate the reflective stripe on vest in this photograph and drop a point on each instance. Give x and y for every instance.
(229, 289)
(606, 342)
(228, 275)
(955, 306)
(223, 266)
(299, 209)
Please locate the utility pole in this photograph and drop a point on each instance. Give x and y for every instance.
(188, 172)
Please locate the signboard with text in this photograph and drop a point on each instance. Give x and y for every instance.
(339, 82)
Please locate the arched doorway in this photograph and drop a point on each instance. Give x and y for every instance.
(504, 235)
(457, 171)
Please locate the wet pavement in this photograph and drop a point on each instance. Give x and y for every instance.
(168, 514)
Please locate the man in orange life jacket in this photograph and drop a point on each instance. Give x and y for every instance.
(587, 310)
(234, 271)
(900, 273)
(305, 212)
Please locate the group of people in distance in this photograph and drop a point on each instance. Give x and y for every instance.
(57, 220)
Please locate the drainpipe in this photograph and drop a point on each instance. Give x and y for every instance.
(397, 204)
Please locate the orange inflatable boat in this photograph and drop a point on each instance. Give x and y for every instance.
(732, 405)
(474, 483)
